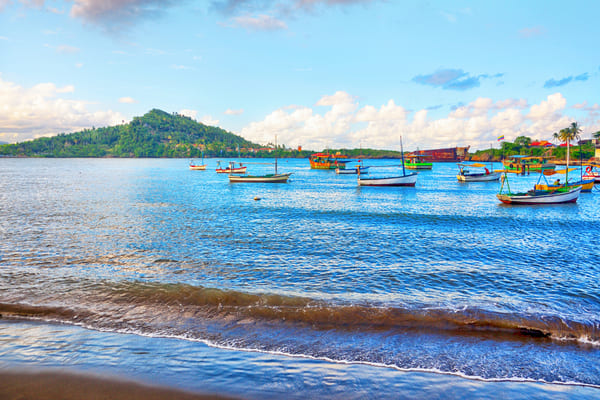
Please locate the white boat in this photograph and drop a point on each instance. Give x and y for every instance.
(195, 167)
(592, 171)
(352, 170)
(271, 178)
(568, 195)
(198, 167)
(404, 180)
(480, 174)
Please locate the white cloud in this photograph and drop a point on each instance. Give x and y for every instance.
(229, 111)
(189, 113)
(127, 100)
(208, 120)
(339, 120)
(28, 113)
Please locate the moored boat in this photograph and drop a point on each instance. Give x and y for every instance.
(403, 180)
(270, 178)
(561, 195)
(525, 164)
(196, 167)
(480, 174)
(592, 171)
(231, 169)
(418, 161)
(328, 161)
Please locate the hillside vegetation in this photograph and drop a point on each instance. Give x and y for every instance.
(156, 134)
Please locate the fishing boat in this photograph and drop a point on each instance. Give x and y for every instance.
(269, 178)
(198, 167)
(418, 161)
(358, 168)
(231, 169)
(403, 180)
(565, 194)
(328, 161)
(525, 164)
(586, 184)
(592, 171)
(561, 195)
(480, 173)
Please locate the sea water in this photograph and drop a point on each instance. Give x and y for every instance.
(143, 268)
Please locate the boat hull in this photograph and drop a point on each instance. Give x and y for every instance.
(198, 167)
(594, 175)
(238, 170)
(405, 180)
(418, 166)
(272, 178)
(493, 176)
(547, 197)
(351, 171)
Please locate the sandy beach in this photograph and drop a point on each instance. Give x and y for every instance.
(71, 386)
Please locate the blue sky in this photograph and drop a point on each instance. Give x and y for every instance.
(316, 73)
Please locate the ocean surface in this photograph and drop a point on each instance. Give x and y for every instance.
(144, 269)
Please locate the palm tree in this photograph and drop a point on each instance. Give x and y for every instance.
(568, 134)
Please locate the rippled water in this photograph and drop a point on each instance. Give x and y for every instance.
(441, 277)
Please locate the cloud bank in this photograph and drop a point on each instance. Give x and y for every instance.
(29, 113)
(339, 120)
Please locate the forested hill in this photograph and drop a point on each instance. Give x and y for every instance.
(156, 134)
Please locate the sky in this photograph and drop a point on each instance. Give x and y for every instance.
(312, 73)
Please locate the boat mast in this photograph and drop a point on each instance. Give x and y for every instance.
(275, 154)
(402, 156)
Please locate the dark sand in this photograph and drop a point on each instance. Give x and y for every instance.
(70, 386)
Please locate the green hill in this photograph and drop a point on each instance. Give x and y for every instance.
(156, 134)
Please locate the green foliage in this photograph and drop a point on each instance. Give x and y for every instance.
(521, 146)
(156, 134)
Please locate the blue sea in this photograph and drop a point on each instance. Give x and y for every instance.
(317, 288)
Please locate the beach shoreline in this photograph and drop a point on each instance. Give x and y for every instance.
(70, 385)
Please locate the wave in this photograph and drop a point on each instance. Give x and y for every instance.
(169, 303)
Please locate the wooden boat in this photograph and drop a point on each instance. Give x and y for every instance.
(418, 161)
(592, 171)
(526, 164)
(328, 161)
(586, 184)
(352, 171)
(196, 167)
(566, 194)
(481, 173)
(232, 169)
(561, 195)
(403, 180)
(269, 178)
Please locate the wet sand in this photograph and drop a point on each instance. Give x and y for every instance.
(71, 386)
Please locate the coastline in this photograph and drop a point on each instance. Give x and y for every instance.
(67, 385)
